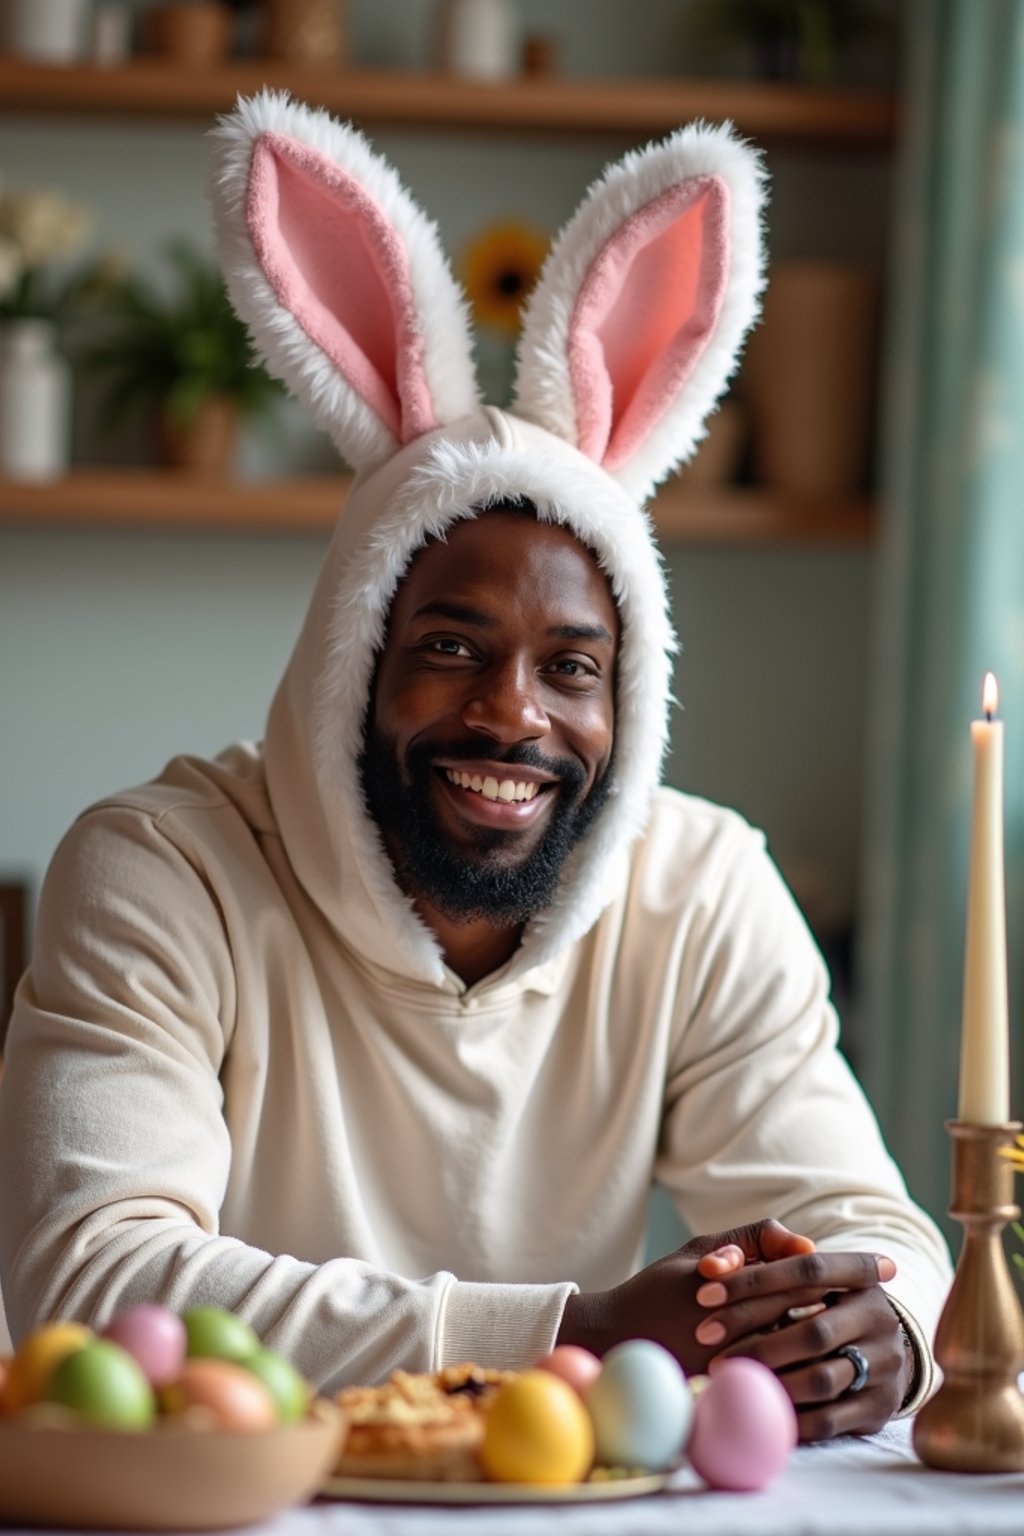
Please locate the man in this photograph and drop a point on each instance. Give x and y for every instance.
(378, 1033)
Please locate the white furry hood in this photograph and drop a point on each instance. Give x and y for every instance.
(316, 724)
(629, 338)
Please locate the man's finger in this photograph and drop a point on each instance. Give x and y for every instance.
(756, 1241)
(722, 1262)
(808, 1275)
(862, 1414)
(778, 1242)
(805, 1335)
(797, 1344)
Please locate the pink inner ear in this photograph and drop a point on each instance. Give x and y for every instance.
(336, 264)
(646, 310)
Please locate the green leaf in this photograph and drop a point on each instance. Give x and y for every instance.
(177, 345)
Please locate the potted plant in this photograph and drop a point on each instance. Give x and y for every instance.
(180, 354)
(798, 40)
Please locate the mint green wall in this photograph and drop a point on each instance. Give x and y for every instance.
(118, 649)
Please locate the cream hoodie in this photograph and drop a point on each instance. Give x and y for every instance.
(211, 1096)
(239, 1070)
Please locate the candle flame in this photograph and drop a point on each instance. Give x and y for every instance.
(990, 694)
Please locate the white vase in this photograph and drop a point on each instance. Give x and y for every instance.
(35, 402)
(52, 31)
(478, 39)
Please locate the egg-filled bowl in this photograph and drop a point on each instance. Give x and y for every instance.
(182, 1474)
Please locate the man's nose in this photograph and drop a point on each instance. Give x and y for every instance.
(507, 705)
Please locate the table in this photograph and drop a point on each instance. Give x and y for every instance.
(848, 1487)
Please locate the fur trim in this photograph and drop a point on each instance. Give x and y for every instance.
(452, 482)
(360, 435)
(543, 388)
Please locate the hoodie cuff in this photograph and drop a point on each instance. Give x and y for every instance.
(500, 1327)
(924, 1378)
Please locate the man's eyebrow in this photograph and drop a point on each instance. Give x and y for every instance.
(460, 613)
(580, 632)
(457, 612)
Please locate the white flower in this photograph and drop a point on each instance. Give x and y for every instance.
(44, 225)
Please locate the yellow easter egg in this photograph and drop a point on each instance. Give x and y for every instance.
(537, 1430)
(33, 1364)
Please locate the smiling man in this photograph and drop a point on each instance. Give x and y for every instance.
(380, 1031)
(490, 730)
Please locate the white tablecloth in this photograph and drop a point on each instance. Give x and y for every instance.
(873, 1487)
(851, 1487)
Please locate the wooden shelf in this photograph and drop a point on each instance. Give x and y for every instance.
(636, 108)
(140, 499)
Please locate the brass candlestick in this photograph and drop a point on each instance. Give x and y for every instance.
(975, 1421)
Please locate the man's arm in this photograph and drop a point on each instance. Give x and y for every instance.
(116, 1154)
(762, 1114)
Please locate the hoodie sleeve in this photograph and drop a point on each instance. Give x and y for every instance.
(763, 1115)
(116, 1153)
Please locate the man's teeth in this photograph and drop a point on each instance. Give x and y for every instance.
(493, 789)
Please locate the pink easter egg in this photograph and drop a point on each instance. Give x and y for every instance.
(744, 1427)
(155, 1336)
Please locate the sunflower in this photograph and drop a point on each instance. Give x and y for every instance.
(1015, 1155)
(499, 266)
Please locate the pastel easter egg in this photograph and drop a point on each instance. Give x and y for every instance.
(231, 1396)
(641, 1407)
(104, 1385)
(536, 1430)
(744, 1427)
(154, 1336)
(573, 1364)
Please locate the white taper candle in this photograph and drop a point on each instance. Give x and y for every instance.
(984, 1047)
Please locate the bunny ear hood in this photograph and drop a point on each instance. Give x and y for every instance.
(636, 324)
(630, 336)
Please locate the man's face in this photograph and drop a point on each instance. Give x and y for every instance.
(489, 735)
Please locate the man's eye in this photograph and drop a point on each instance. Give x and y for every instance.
(450, 647)
(570, 666)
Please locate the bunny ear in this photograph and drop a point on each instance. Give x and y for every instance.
(340, 277)
(637, 321)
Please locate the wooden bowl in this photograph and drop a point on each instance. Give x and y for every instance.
(55, 1471)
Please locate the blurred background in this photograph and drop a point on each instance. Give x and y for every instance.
(846, 552)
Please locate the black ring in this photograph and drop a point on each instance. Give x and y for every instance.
(859, 1360)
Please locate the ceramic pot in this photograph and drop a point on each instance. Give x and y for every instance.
(809, 378)
(478, 39)
(196, 33)
(305, 31)
(35, 402)
(206, 445)
(52, 31)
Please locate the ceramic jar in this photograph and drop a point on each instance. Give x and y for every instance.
(52, 31)
(478, 39)
(35, 402)
(194, 33)
(810, 378)
(304, 31)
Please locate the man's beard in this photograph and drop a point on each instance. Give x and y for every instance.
(485, 881)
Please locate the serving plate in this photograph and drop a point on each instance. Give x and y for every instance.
(382, 1490)
(55, 1471)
